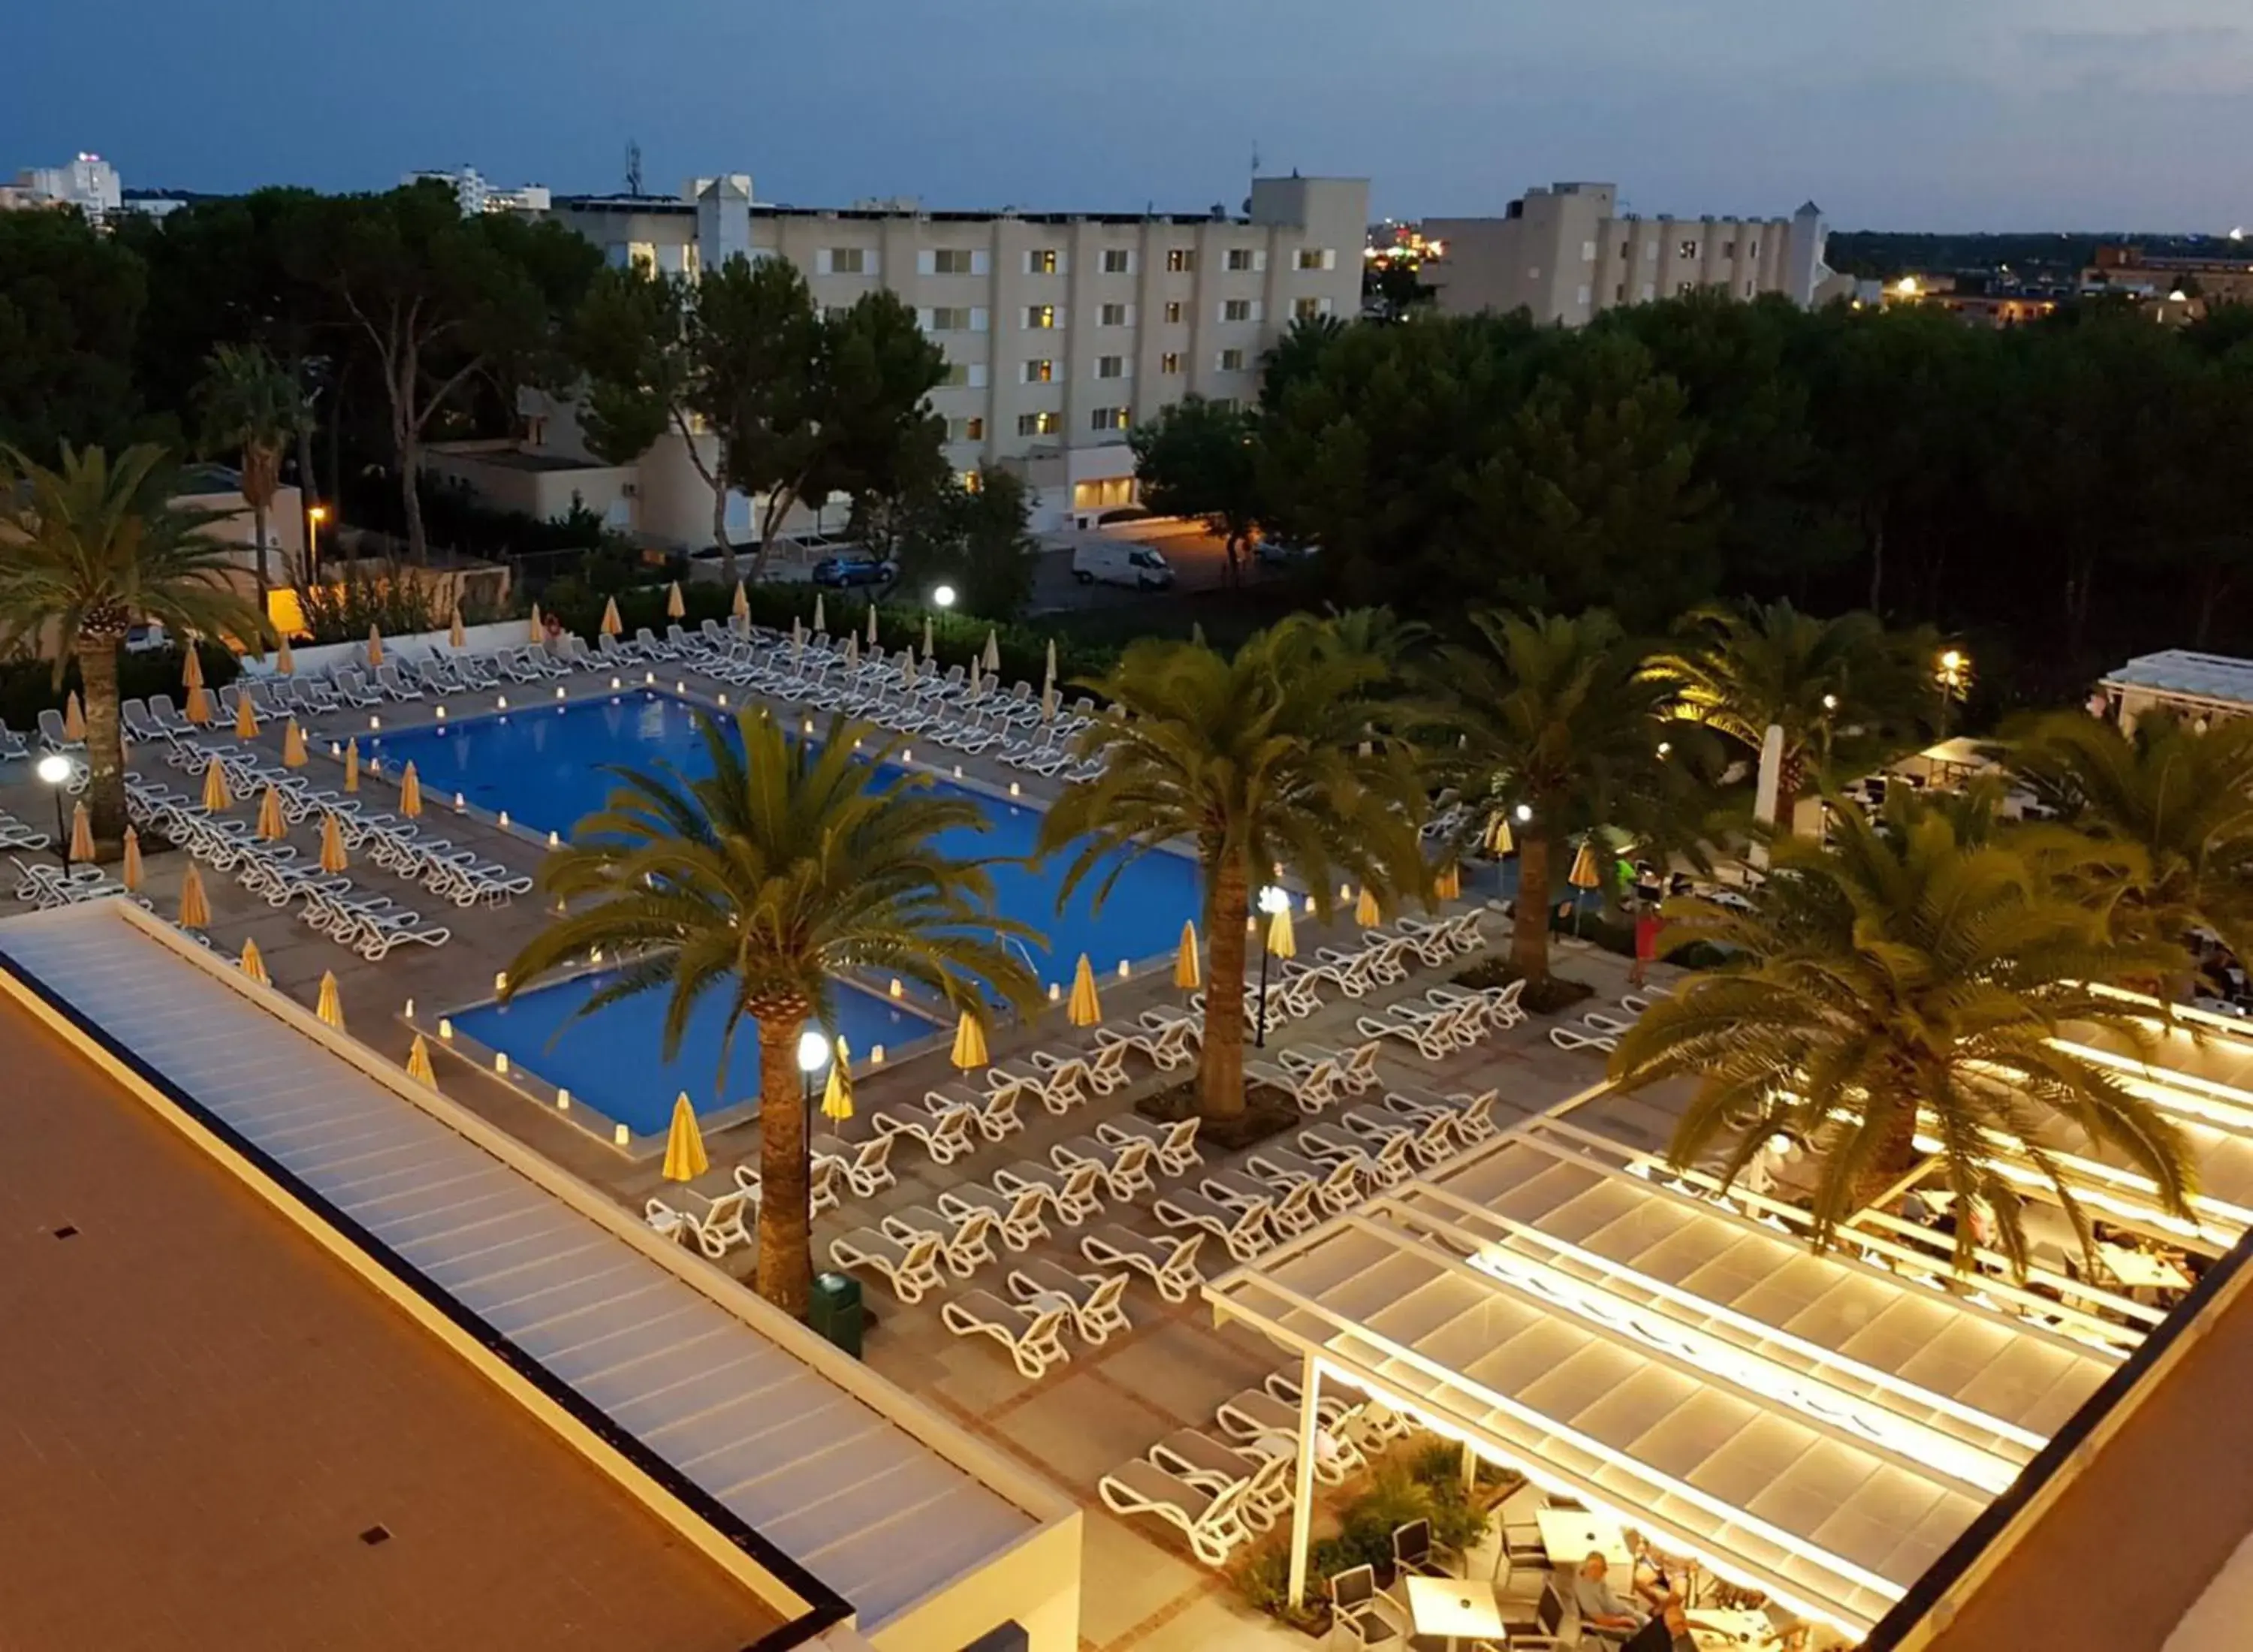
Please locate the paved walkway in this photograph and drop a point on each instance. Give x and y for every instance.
(1141, 1590)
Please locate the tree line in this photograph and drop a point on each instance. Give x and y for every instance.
(2066, 494)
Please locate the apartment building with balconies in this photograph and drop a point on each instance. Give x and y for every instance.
(1566, 253)
(1062, 330)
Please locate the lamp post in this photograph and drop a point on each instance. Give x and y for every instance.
(314, 515)
(1273, 899)
(813, 1057)
(55, 770)
(1954, 674)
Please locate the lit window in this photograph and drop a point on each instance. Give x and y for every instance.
(1039, 423)
(641, 255)
(1174, 312)
(1687, 249)
(1684, 289)
(1040, 316)
(971, 481)
(1041, 260)
(968, 429)
(1306, 308)
(1107, 419)
(1170, 362)
(1313, 258)
(1118, 261)
(1181, 259)
(1040, 370)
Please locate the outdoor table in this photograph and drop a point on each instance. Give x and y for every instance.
(1457, 1608)
(1570, 1536)
(1717, 1628)
(2136, 1269)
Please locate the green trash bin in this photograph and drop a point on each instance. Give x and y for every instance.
(834, 1311)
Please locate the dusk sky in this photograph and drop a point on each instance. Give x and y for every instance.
(1919, 114)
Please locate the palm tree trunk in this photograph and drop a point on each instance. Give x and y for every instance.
(258, 528)
(1895, 1156)
(1528, 924)
(785, 1265)
(105, 748)
(1220, 1067)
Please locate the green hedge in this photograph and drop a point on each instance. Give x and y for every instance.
(27, 687)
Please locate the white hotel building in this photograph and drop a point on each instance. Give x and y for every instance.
(1061, 329)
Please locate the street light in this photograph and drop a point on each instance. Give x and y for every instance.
(1955, 677)
(1273, 899)
(944, 596)
(1524, 813)
(55, 770)
(314, 515)
(813, 1057)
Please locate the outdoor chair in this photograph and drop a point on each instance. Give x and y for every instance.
(1070, 1192)
(1017, 1215)
(1034, 1339)
(909, 1267)
(962, 1239)
(1414, 1550)
(52, 735)
(1364, 1612)
(1168, 1263)
(1093, 1299)
(1198, 1458)
(1212, 1522)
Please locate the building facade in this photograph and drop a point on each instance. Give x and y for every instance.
(86, 182)
(473, 193)
(1062, 330)
(1566, 253)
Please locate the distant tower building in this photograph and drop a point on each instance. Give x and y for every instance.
(473, 195)
(87, 182)
(1805, 270)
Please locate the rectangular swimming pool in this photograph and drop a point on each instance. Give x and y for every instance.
(545, 766)
(613, 1059)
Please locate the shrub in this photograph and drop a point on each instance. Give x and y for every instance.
(27, 687)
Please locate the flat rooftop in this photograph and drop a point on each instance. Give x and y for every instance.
(217, 1435)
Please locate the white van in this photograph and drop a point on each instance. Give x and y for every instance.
(1112, 564)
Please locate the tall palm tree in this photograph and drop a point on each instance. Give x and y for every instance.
(2181, 795)
(1848, 694)
(794, 863)
(1557, 724)
(253, 405)
(1260, 762)
(87, 550)
(1897, 986)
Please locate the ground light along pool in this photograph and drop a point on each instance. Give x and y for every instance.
(614, 1059)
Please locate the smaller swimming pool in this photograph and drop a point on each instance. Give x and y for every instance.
(614, 1060)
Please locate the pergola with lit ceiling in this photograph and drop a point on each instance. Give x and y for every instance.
(1815, 1426)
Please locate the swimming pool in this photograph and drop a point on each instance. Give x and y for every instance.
(614, 1062)
(544, 765)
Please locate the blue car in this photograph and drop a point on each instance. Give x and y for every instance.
(840, 572)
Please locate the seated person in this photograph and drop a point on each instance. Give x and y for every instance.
(1653, 1588)
(1604, 1616)
(1668, 1632)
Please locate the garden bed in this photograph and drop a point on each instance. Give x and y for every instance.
(1267, 1112)
(1549, 996)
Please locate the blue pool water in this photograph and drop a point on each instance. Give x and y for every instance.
(613, 1059)
(544, 765)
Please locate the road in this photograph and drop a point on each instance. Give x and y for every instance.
(1200, 560)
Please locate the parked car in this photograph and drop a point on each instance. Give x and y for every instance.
(1110, 562)
(841, 572)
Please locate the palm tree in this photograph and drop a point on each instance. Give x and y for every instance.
(796, 862)
(1896, 988)
(94, 548)
(253, 405)
(2181, 796)
(1848, 694)
(1262, 762)
(1557, 724)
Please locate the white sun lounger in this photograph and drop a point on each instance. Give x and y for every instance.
(1093, 1298)
(947, 1135)
(910, 1268)
(717, 1232)
(1244, 1231)
(1125, 1165)
(1017, 1215)
(1070, 1192)
(1574, 1038)
(1310, 1086)
(821, 1183)
(1035, 1339)
(962, 1239)
(1264, 1482)
(866, 1166)
(1175, 1144)
(1432, 1034)
(1212, 1521)
(1170, 1044)
(1169, 1264)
